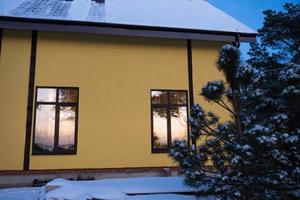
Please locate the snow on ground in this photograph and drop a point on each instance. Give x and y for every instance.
(169, 197)
(116, 188)
(28, 193)
(144, 188)
(37, 194)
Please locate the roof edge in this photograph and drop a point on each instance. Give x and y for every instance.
(21, 23)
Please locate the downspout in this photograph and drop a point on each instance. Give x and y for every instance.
(191, 87)
(1, 35)
(31, 83)
(236, 96)
(237, 42)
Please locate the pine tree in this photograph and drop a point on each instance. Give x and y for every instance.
(256, 155)
(279, 38)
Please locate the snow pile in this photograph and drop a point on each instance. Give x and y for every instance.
(169, 197)
(86, 190)
(22, 194)
(146, 188)
(118, 189)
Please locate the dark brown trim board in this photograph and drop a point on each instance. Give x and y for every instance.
(190, 78)
(237, 42)
(121, 29)
(190, 72)
(1, 36)
(30, 100)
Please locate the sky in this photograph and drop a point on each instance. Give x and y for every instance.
(249, 12)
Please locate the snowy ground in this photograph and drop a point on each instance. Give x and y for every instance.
(22, 194)
(150, 188)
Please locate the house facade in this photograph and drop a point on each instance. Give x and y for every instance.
(98, 92)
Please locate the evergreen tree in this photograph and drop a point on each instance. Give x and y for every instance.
(256, 155)
(279, 38)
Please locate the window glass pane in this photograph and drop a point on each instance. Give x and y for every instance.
(179, 123)
(67, 127)
(46, 95)
(68, 95)
(44, 128)
(178, 97)
(159, 97)
(160, 133)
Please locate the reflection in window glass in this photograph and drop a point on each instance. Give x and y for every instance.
(66, 127)
(169, 118)
(68, 95)
(44, 127)
(178, 97)
(159, 97)
(160, 131)
(46, 95)
(179, 123)
(55, 120)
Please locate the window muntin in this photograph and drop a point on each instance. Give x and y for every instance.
(169, 118)
(56, 118)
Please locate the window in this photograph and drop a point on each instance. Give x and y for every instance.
(169, 118)
(56, 119)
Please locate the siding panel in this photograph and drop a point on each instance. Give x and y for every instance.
(115, 75)
(14, 71)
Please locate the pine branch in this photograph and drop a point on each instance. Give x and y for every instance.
(237, 109)
(225, 107)
(216, 136)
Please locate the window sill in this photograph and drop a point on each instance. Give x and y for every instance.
(54, 153)
(155, 151)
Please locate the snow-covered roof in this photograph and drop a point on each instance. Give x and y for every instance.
(172, 19)
(187, 14)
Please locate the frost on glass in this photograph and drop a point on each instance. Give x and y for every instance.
(46, 95)
(67, 127)
(44, 128)
(160, 130)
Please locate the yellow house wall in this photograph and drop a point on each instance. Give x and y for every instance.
(14, 71)
(205, 55)
(115, 75)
